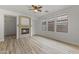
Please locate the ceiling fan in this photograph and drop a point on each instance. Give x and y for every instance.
(36, 8)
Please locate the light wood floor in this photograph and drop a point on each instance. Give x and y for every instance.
(35, 45)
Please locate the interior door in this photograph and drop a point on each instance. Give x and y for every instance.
(24, 27)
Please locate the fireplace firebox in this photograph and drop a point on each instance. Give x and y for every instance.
(24, 30)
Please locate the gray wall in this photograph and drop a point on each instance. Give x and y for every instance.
(1, 27)
(73, 25)
(10, 25)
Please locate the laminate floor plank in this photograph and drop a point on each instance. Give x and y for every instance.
(35, 45)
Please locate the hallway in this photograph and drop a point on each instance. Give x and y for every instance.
(35, 45)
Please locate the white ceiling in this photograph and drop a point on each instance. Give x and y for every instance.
(25, 9)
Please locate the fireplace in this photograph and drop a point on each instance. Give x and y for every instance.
(24, 30)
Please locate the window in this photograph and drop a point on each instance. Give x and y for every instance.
(62, 24)
(44, 26)
(51, 25)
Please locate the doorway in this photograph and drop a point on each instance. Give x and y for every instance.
(10, 29)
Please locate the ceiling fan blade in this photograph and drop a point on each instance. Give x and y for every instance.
(40, 10)
(34, 7)
(39, 6)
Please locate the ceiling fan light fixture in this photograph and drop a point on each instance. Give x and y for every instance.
(35, 10)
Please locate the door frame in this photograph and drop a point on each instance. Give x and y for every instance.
(16, 23)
